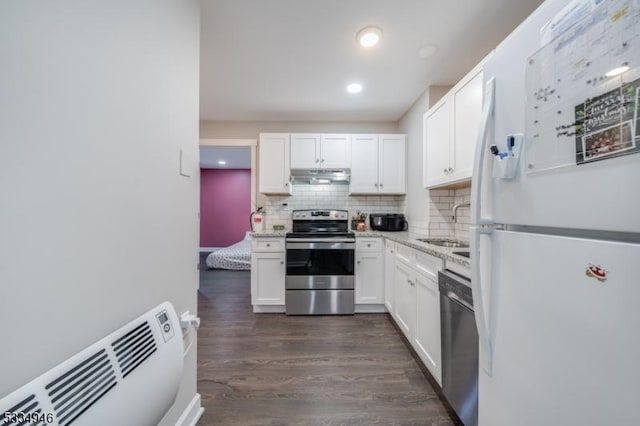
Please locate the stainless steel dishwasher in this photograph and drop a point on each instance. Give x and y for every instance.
(459, 346)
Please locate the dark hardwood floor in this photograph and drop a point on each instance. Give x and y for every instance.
(270, 369)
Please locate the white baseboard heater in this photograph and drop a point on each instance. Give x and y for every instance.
(131, 377)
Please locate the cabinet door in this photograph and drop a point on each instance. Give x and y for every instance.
(405, 300)
(274, 173)
(335, 151)
(267, 278)
(389, 276)
(467, 111)
(426, 339)
(369, 278)
(436, 135)
(391, 164)
(364, 164)
(305, 151)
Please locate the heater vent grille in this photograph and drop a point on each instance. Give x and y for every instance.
(96, 386)
(27, 407)
(134, 348)
(73, 392)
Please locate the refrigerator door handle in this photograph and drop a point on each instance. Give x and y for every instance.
(481, 149)
(482, 323)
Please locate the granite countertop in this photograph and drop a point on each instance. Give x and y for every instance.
(269, 234)
(406, 238)
(410, 239)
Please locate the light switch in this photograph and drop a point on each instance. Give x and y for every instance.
(185, 164)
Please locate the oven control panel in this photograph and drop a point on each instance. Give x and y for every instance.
(320, 215)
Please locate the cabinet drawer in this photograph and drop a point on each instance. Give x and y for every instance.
(368, 244)
(268, 244)
(405, 254)
(428, 265)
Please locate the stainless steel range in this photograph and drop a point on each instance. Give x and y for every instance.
(320, 264)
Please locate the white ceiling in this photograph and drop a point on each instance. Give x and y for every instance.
(290, 60)
(237, 157)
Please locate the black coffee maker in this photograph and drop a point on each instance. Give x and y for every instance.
(391, 222)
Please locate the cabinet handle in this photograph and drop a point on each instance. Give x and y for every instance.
(317, 160)
(322, 161)
(450, 170)
(445, 170)
(375, 184)
(369, 245)
(282, 262)
(286, 184)
(268, 245)
(381, 185)
(358, 262)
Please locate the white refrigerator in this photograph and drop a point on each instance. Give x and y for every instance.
(555, 240)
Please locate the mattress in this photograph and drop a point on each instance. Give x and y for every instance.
(236, 257)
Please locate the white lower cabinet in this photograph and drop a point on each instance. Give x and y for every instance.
(417, 304)
(405, 299)
(268, 272)
(426, 336)
(369, 273)
(389, 276)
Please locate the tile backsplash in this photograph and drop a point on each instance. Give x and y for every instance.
(441, 202)
(337, 196)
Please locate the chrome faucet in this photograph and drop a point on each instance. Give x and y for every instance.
(455, 210)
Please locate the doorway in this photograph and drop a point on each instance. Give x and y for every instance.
(227, 197)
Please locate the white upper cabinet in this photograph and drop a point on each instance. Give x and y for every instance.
(450, 132)
(305, 151)
(437, 131)
(392, 171)
(364, 164)
(320, 151)
(274, 173)
(335, 151)
(467, 112)
(378, 164)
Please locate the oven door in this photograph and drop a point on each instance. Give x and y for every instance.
(313, 265)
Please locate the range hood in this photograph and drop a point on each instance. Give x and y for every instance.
(321, 176)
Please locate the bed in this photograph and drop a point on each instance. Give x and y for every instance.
(236, 257)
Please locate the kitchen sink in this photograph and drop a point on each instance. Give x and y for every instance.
(462, 253)
(443, 242)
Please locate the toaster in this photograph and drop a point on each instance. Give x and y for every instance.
(393, 222)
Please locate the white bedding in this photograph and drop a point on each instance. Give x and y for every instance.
(236, 257)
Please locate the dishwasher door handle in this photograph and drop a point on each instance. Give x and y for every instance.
(451, 295)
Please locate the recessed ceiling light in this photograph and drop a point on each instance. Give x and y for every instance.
(354, 88)
(369, 36)
(617, 71)
(427, 51)
(222, 162)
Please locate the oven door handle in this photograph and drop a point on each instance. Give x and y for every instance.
(314, 244)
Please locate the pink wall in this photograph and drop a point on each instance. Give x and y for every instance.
(225, 206)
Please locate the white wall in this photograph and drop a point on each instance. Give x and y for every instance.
(252, 129)
(96, 225)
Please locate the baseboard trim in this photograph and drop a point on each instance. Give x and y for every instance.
(370, 309)
(192, 413)
(268, 309)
